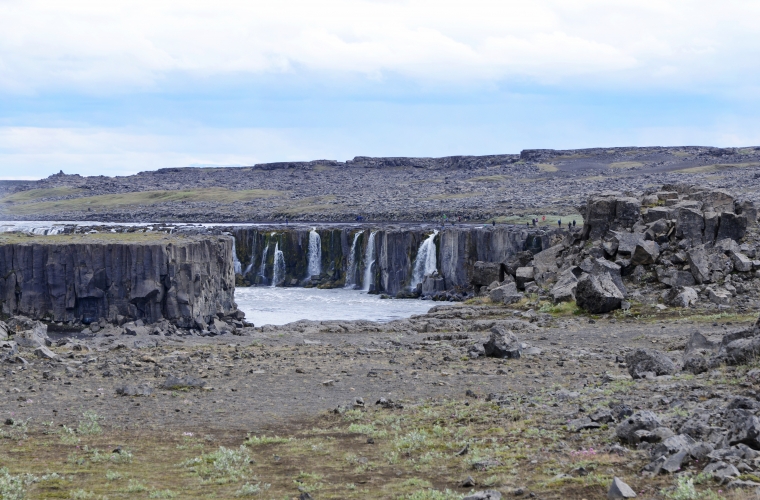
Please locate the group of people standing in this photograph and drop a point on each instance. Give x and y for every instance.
(570, 225)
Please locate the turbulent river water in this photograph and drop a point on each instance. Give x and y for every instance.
(278, 306)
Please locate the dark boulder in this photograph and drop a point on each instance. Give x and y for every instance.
(643, 361)
(598, 294)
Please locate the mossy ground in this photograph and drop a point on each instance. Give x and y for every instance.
(417, 454)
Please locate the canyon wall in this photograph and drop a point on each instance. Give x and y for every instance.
(82, 278)
(345, 255)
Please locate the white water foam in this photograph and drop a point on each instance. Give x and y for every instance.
(426, 261)
(278, 274)
(278, 306)
(315, 254)
(369, 260)
(351, 265)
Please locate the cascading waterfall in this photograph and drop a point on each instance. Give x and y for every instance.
(263, 266)
(369, 260)
(235, 262)
(426, 261)
(278, 273)
(351, 266)
(315, 254)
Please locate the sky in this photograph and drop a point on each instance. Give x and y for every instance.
(114, 88)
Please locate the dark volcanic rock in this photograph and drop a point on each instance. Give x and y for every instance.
(598, 294)
(643, 361)
(187, 280)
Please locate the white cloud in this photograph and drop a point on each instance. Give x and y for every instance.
(118, 46)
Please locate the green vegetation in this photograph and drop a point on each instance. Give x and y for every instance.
(138, 237)
(714, 168)
(39, 194)
(417, 453)
(546, 167)
(120, 201)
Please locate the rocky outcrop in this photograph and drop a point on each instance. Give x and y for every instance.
(185, 280)
(681, 236)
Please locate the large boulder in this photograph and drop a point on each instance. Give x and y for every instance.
(643, 420)
(505, 294)
(690, 225)
(626, 242)
(681, 297)
(609, 211)
(699, 265)
(485, 273)
(596, 267)
(719, 296)
(34, 337)
(546, 260)
(564, 289)
(746, 208)
(732, 226)
(649, 361)
(741, 262)
(432, 284)
(657, 213)
(645, 253)
(502, 343)
(524, 275)
(675, 278)
(716, 199)
(598, 294)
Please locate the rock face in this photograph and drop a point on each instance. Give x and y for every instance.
(186, 280)
(465, 256)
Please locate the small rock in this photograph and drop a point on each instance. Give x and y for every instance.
(619, 489)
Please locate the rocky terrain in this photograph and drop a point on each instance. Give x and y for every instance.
(480, 188)
(514, 400)
(615, 359)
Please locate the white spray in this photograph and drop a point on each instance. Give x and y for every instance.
(426, 261)
(369, 260)
(351, 266)
(315, 254)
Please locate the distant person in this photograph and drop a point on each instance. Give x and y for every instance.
(493, 223)
(559, 222)
(286, 221)
(573, 222)
(543, 219)
(569, 226)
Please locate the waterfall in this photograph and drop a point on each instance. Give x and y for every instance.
(315, 254)
(426, 262)
(235, 262)
(351, 266)
(369, 259)
(248, 267)
(278, 273)
(263, 266)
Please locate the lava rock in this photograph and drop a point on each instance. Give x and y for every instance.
(642, 361)
(598, 294)
(502, 344)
